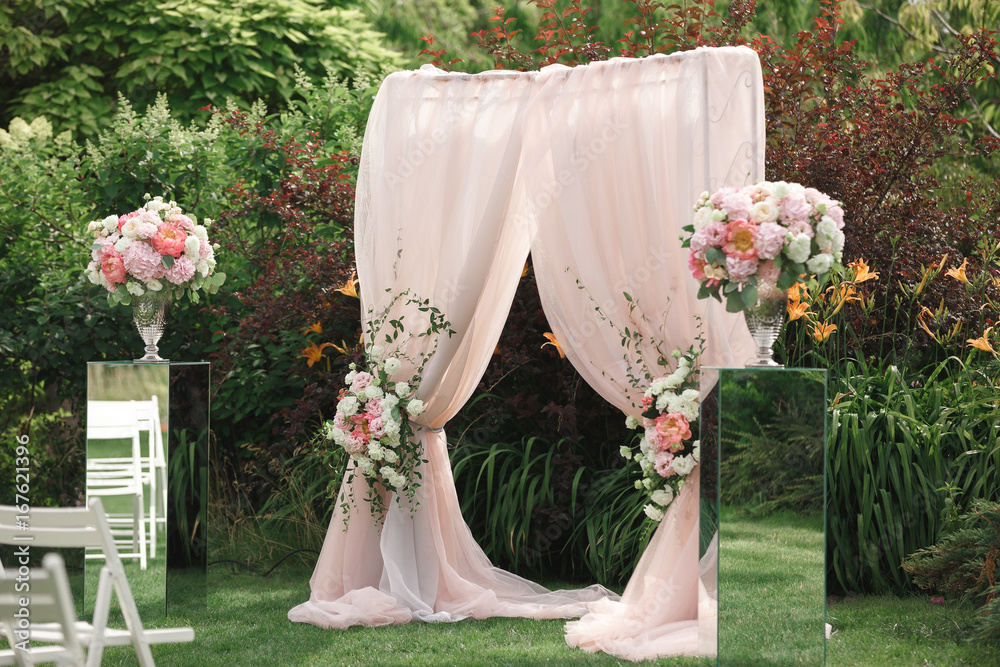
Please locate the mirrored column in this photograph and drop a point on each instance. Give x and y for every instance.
(767, 509)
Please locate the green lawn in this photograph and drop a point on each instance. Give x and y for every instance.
(246, 625)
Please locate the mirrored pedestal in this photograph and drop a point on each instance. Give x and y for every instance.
(763, 515)
(161, 411)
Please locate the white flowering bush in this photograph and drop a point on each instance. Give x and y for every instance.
(667, 451)
(156, 248)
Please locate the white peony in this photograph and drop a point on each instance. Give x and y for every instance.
(653, 512)
(683, 465)
(798, 248)
(348, 406)
(663, 497)
(820, 264)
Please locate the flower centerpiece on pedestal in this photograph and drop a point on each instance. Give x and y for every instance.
(146, 257)
(751, 244)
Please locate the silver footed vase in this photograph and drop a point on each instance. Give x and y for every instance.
(764, 320)
(149, 312)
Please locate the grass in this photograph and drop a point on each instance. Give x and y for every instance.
(246, 624)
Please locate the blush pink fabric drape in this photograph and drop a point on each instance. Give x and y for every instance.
(433, 216)
(617, 153)
(460, 174)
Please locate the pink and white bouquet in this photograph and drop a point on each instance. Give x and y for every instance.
(156, 248)
(372, 425)
(776, 233)
(667, 451)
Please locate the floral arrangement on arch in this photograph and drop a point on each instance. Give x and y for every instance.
(156, 248)
(374, 409)
(775, 233)
(667, 452)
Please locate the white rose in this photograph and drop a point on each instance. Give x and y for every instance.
(366, 465)
(390, 456)
(402, 389)
(663, 401)
(780, 190)
(702, 217)
(838, 242)
(130, 228)
(696, 452)
(691, 395)
(375, 451)
(349, 378)
(110, 224)
(415, 407)
(200, 232)
(134, 288)
(820, 264)
(663, 497)
(673, 381)
(154, 285)
(347, 406)
(713, 272)
(391, 429)
(683, 465)
(391, 365)
(156, 204)
(122, 244)
(653, 512)
(764, 211)
(798, 248)
(389, 402)
(375, 352)
(191, 246)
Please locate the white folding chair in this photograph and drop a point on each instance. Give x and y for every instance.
(119, 476)
(43, 596)
(146, 415)
(75, 527)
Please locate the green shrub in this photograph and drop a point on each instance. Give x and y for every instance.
(964, 564)
(68, 59)
(898, 444)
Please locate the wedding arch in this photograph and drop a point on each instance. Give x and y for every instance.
(592, 169)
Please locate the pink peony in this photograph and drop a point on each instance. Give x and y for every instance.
(697, 266)
(112, 267)
(712, 235)
(181, 220)
(354, 444)
(128, 216)
(340, 423)
(740, 269)
(376, 427)
(770, 240)
(181, 272)
(663, 463)
(143, 262)
(361, 382)
(768, 272)
(837, 214)
(104, 242)
(719, 195)
(737, 205)
(672, 428)
(145, 230)
(169, 240)
(795, 209)
(796, 228)
(374, 408)
(741, 239)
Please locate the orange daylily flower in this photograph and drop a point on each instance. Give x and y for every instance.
(350, 288)
(342, 348)
(553, 342)
(797, 309)
(959, 273)
(920, 320)
(842, 295)
(797, 292)
(982, 343)
(861, 272)
(314, 352)
(822, 331)
(315, 327)
(524, 271)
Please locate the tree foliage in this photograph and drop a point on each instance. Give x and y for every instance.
(68, 59)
